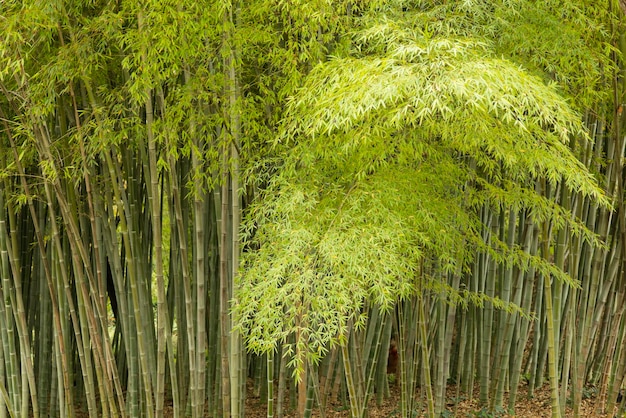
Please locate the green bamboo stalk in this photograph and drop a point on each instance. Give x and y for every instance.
(535, 371)
(552, 359)
(367, 342)
(338, 385)
(488, 279)
(232, 117)
(610, 355)
(528, 281)
(97, 254)
(185, 278)
(405, 392)
(462, 357)
(439, 361)
(619, 374)
(51, 285)
(65, 311)
(224, 293)
(325, 377)
(409, 346)
(282, 379)
(7, 325)
(550, 325)
(587, 299)
(508, 321)
(141, 282)
(9, 357)
(381, 384)
(455, 281)
(214, 366)
(213, 320)
(374, 347)
(620, 230)
(56, 405)
(90, 311)
(125, 319)
(77, 313)
(471, 335)
(422, 326)
(106, 356)
(43, 342)
(559, 290)
(14, 306)
(270, 384)
(200, 282)
(354, 346)
(258, 367)
(355, 401)
(6, 401)
(136, 342)
(163, 333)
(137, 298)
(95, 340)
(236, 354)
(309, 392)
(315, 393)
(96, 318)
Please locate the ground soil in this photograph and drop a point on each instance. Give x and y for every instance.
(537, 406)
(526, 407)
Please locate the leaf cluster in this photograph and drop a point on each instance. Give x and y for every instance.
(394, 147)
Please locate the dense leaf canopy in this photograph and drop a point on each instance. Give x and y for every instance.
(398, 144)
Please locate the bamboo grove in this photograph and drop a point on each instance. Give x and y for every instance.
(205, 201)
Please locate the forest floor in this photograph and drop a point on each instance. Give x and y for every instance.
(537, 406)
(525, 407)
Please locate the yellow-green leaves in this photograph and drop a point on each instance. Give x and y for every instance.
(395, 147)
(485, 107)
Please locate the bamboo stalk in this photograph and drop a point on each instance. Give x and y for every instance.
(355, 401)
(154, 198)
(552, 344)
(270, 384)
(224, 294)
(425, 357)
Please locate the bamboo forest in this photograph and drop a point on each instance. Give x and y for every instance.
(312, 208)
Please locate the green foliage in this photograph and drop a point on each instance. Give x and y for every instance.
(559, 41)
(372, 133)
(509, 122)
(336, 245)
(395, 146)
